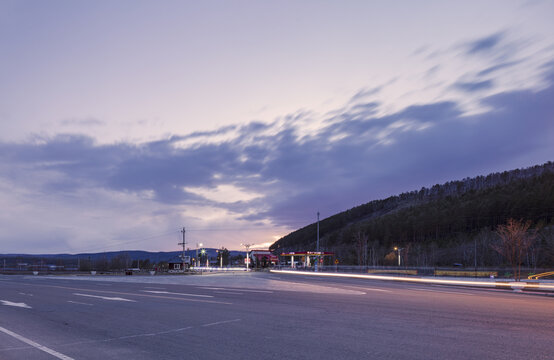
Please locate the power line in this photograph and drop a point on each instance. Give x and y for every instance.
(232, 229)
(127, 242)
(173, 232)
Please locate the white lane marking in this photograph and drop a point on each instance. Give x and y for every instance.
(234, 289)
(220, 322)
(150, 334)
(445, 292)
(21, 305)
(358, 288)
(36, 345)
(25, 294)
(373, 289)
(133, 294)
(104, 297)
(79, 303)
(155, 288)
(212, 288)
(174, 293)
(228, 292)
(173, 330)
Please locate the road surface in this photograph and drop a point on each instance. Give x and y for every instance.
(269, 316)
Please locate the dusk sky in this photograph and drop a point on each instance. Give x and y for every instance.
(122, 121)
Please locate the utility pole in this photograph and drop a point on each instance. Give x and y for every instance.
(183, 243)
(317, 261)
(475, 256)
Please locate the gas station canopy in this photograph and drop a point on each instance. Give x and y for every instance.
(309, 253)
(306, 255)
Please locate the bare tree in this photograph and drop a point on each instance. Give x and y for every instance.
(361, 247)
(515, 239)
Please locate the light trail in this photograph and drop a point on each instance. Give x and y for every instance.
(520, 285)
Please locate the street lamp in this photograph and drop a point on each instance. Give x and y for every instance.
(220, 254)
(399, 250)
(247, 246)
(197, 260)
(317, 259)
(204, 253)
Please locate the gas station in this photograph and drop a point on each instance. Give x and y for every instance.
(306, 257)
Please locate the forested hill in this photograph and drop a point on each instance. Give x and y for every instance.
(437, 224)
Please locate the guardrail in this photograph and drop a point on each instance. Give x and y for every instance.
(505, 273)
(466, 273)
(392, 271)
(538, 276)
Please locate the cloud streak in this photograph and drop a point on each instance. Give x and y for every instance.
(474, 86)
(280, 173)
(355, 150)
(484, 45)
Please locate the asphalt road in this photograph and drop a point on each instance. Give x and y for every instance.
(269, 316)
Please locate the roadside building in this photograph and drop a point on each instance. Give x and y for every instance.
(263, 258)
(176, 264)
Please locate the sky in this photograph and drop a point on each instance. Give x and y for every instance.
(123, 121)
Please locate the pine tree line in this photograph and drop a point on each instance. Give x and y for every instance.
(445, 224)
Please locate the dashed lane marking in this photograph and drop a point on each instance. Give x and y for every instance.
(174, 293)
(444, 292)
(164, 332)
(374, 289)
(220, 322)
(9, 303)
(79, 303)
(35, 345)
(153, 296)
(235, 289)
(105, 297)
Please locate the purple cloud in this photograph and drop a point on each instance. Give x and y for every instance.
(474, 86)
(484, 44)
(358, 156)
(352, 155)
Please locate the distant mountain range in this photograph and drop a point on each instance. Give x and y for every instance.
(133, 255)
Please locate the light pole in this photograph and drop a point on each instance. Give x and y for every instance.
(475, 256)
(197, 260)
(220, 253)
(399, 253)
(247, 246)
(317, 261)
(183, 243)
(203, 252)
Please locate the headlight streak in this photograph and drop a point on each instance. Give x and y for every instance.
(520, 285)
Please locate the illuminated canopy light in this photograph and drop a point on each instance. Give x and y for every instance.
(311, 253)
